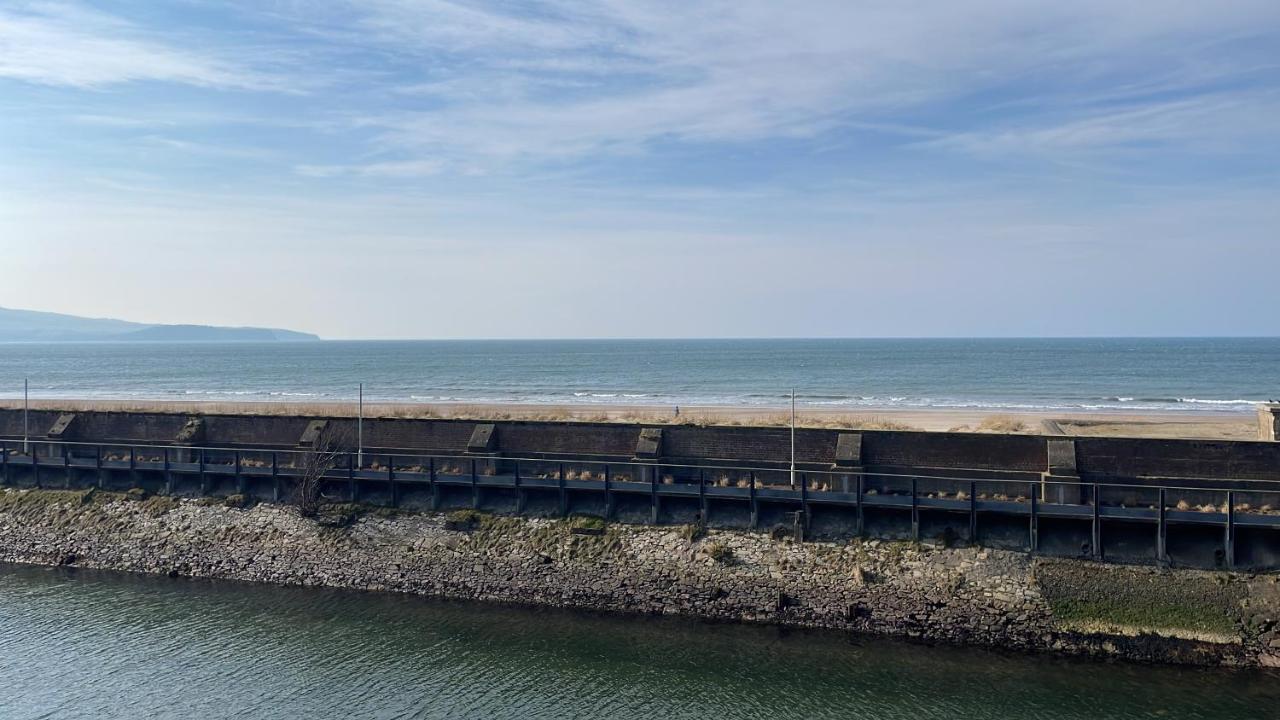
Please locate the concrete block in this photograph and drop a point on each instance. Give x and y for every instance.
(484, 439)
(649, 444)
(63, 428)
(313, 432)
(1061, 457)
(849, 450)
(1269, 422)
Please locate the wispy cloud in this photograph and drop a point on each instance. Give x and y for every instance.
(71, 45)
(742, 70)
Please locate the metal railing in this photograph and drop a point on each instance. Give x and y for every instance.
(1228, 504)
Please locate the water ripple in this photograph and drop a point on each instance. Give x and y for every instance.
(77, 644)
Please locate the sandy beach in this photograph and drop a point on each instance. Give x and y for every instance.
(1228, 426)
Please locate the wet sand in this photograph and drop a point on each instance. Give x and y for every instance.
(1232, 426)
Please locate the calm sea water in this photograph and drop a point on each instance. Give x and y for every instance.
(1061, 374)
(77, 644)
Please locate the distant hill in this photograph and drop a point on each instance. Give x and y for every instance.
(36, 326)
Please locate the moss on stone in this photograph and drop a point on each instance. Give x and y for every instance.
(1146, 616)
(1093, 595)
(160, 504)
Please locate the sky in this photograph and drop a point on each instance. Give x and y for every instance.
(646, 168)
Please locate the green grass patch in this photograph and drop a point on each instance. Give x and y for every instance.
(1155, 616)
(586, 522)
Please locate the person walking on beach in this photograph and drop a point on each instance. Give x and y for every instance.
(677, 411)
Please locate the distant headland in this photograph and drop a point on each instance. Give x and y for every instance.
(36, 326)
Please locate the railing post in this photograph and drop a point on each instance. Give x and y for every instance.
(4, 453)
(1096, 541)
(915, 511)
(35, 465)
(861, 528)
(168, 476)
(275, 477)
(608, 493)
(97, 465)
(1162, 529)
(519, 491)
(653, 495)
(973, 512)
(391, 480)
(204, 487)
(352, 486)
(431, 482)
(804, 499)
(66, 468)
(702, 494)
(1033, 532)
(1231, 530)
(475, 488)
(755, 504)
(240, 482)
(564, 494)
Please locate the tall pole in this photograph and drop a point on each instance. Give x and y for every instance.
(360, 427)
(793, 437)
(26, 412)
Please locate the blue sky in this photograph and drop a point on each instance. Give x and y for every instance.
(436, 168)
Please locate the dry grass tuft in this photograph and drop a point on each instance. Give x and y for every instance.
(419, 411)
(995, 424)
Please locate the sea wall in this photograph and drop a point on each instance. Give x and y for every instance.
(1218, 463)
(970, 596)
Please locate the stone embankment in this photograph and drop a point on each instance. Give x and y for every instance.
(969, 596)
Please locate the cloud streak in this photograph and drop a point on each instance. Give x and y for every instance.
(70, 45)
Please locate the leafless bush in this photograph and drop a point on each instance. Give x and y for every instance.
(325, 454)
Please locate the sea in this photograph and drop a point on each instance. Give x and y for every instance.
(1191, 375)
(81, 644)
(1051, 374)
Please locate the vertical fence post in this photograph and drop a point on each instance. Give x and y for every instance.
(35, 466)
(475, 488)
(240, 481)
(702, 494)
(1162, 529)
(861, 528)
(564, 493)
(1033, 531)
(1231, 530)
(168, 475)
(915, 510)
(4, 454)
(755, 504)
(431, 481)
(519, 491)
(204, 488)
(653, 495)
(804, 497)
(1096, 541)
(275, 477)
(352, 488)
(97, 466)
(608, 493)
(973, 512)
(66, 467)
(391, 480)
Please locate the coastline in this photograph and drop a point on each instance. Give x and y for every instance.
(928, 592)
(1213, 425)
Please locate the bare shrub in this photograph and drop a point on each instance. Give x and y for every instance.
(330, 445)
